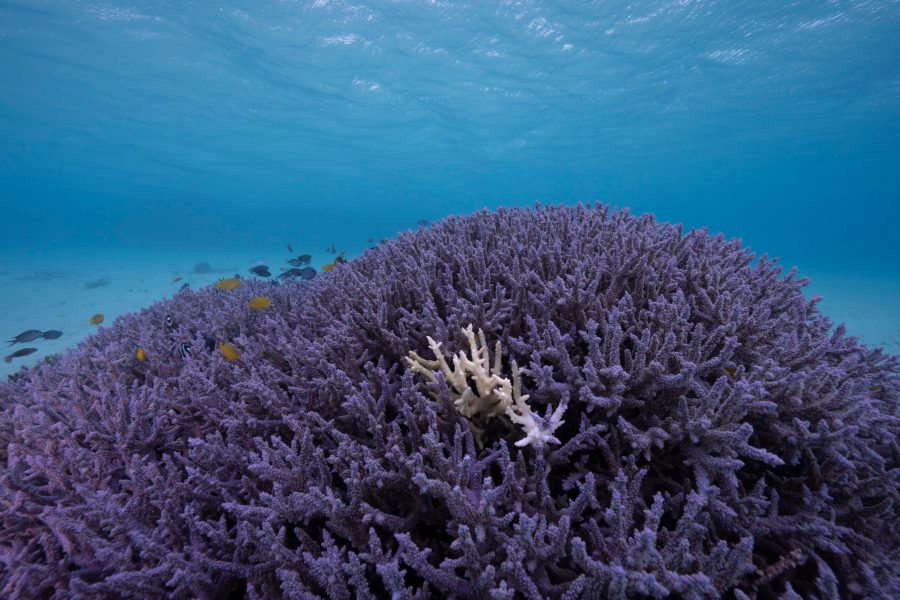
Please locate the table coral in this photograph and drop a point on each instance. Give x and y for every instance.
(722, 437)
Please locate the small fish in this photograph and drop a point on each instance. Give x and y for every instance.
(304, 273)
(260, 302)
(97, 319)
(177, 279)
(422, 223)
(277, 359)
(183, 349)
(371, 241)
(290, 248)
(331, 249)
(228, 284)
(338, 260)
(875, 388)
(98, 283)
(228, 351)
(261, 270)
(140, 354)
(51, 334)
(20, 353)
(25, 336)
(184, 286)
(731, 371)
(301, 260)
(170, 323)
(209, 343)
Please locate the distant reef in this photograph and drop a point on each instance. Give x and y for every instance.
(647, 412)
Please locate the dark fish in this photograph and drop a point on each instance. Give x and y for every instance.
(331, 249)
(209, 343)
(301, 260)
(184, 286)
(290, 249)
(422, 223)
(277, 360)
(371, 240)
(20, 353)
(51, 334)
(25, 336)
(304, 273)
(261, 270)
(170, 323)
(98, 283)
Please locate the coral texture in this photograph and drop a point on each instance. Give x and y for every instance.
(719, 439)
(494, 395)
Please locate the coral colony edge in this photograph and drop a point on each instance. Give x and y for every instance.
(563, 402)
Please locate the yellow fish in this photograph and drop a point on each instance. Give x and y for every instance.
(229, 352)
(260, 302)
(338, 260)
(97, 319)
(228, 284)
(141, 354)
(731, 371)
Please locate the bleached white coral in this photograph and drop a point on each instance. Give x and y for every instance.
(494, 395)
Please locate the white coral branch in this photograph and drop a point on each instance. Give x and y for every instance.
(494, 395)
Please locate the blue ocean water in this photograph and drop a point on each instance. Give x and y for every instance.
(141, 129)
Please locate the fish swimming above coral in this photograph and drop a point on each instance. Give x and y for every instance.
(229, 352)
(19, 353)
(228, 284)
(261, 270)
(26, 336)
(338, 260)
(259, 302)
(51, 334)
(301, 260)
(306, 273)
(96, 319)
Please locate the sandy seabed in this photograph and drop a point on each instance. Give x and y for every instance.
(63, 293)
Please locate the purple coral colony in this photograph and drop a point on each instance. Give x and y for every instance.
(551, 403)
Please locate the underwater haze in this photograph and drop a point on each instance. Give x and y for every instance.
(139, 139)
